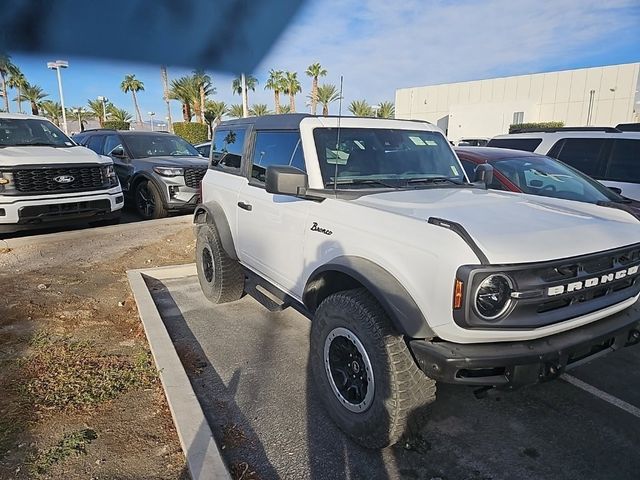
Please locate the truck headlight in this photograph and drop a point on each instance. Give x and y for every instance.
(493, 296)
(110, 175)
(169, 171)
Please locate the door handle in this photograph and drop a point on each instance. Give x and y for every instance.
(244, 206)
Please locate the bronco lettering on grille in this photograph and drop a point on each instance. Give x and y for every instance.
(592, 282)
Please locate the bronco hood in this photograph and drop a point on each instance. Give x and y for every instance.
(515, 228)
(38, 155)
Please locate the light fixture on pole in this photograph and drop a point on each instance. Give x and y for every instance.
(104, 101)
(151, 114)
(57, 65)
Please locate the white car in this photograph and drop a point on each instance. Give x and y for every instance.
(410, 273)
(609, 155)
(47, 180)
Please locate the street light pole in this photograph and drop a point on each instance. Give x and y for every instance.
(245, 107)
(151, 114)
(57, 65)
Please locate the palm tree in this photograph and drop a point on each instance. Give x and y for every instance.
(119, 115)
(81, 114)
(18, 81)
(133, 85)
(235, 111)
(259, 109)
(314, 71)
(285, 109)
(6, 68)
(250, 81)
(165, 94)
(34, 95)
(203, 81)
(99, 110)
(360, 108)
(327, 94)
(187, 91)
(275, 82)
(213, 113)
(52, 110)
(386, 110)
(291, 87)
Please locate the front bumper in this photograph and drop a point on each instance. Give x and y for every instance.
(514, 364)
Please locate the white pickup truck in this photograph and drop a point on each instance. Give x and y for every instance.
(47, 180)
(410, 273)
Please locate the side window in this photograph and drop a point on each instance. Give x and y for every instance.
(227, 149)
(276, 148)
(624, 164)
(581, 153)
(526, 144)
(204, 150)
(469, 168)
(111, 142)
(94, 142)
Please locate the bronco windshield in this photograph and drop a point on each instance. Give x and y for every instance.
(384, 157)
(16, 132)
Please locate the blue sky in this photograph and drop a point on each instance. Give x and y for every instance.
(380, 45)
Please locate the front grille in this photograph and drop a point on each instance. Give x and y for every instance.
(56, 179)
(193, 176)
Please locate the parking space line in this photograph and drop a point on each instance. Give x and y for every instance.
(627, 407)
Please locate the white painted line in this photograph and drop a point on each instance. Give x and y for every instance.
(627, 407)
(200, 449)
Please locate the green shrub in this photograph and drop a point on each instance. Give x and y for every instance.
(192, 132)
(534, 126)
(116, 125)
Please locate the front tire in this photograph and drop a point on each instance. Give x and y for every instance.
(148, 201)
(221, 277)
(366, 376)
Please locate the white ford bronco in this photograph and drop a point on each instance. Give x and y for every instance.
(47, 180)
(410, 273)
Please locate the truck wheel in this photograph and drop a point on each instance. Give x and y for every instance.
(366, 375)
(220, 276)
(148, 200)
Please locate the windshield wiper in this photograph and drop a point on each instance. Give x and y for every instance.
(361, 181)
(434, 180)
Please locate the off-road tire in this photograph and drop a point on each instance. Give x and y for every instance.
(220, 276)
(159, 209)
(400, 386)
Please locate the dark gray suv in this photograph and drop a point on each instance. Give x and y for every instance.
(159, 172)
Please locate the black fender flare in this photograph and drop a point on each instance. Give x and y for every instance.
(405, 314)
(213, 214)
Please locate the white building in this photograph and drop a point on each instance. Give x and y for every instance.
(599, 96)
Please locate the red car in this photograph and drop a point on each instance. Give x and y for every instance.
(526, 172)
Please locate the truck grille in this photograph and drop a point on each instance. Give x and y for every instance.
(193, 176)
(53, 180)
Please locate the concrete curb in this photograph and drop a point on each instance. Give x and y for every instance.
(199, 447)
(90, 232)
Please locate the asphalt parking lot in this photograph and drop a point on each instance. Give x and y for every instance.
(249, 369)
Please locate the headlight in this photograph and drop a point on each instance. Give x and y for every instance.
(169, 171)
(110, 175)
(493, 296)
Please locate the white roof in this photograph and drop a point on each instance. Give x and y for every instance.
(24, 116)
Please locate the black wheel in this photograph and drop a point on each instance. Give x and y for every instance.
(220, 276)
(148, 200)
(365, 374)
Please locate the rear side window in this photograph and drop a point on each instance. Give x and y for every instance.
(204, 150)
(94, 142)
(469, 168)
(227, 149)
(525, 144)
(276, 148)
(111, 142)
(624, 163)
(583, 154)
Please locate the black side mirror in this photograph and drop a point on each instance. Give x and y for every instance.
(118, 152)
(285, 180)
(484, 174)
(616, 190)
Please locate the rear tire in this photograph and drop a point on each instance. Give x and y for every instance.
(148, 201)
(366, 376)
(221, 277)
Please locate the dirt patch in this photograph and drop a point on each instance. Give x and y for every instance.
(80, 395)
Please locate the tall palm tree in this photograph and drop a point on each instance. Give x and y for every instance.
(259, 109)
(81, 114)
(17, 81)
(165, 94)
(327, 94)
(360, 108)
(203, 82)
(99, 110)
(213, 113)
(187, 91)
(291, 87)
(34, 95)
(235, 111)
(52, 110)
(6, 68)
(314, 71)
(275, 82)
(133, 85)
(250, 81)
(119, 114)
(386, 110)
